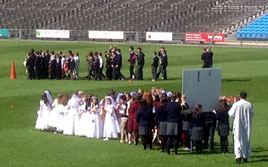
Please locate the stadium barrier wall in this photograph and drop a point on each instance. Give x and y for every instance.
(83, 35)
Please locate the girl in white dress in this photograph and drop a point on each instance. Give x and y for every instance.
(80, 114)
(54, 114)
(86, 120)
(43, 113)
(62, 110)
(96, 122)
(73, 106)
(111, 125)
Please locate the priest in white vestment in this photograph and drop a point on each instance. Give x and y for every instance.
(242, 113)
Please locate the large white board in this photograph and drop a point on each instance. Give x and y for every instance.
(52, 33)
(105, 34)
(159, 36)
(202, 86)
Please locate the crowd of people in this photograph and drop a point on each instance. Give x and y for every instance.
(159, 117)
(51, 65)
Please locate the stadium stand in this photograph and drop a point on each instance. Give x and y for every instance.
(178, 16)
(256, 30)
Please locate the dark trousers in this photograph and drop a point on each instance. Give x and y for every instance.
(146, 140)
(198, 146)
(163, 70)
(172, 140)
(206, 65)
(209, 136)
(44, 73)
(53, 74)
(116, 73)
(154, 72)
(101, 72)
(90, 74)
(38, 74)
(224, 144)
(31, 74)
(109, 73)
(131, 71)
(139, 72)
(97, 74)
(163, 140)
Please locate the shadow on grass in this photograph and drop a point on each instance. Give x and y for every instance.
(235, 80)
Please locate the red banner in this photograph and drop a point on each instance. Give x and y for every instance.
(203, 37)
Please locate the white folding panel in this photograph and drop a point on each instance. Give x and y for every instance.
(202, 86)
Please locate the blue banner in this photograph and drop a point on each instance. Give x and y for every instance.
(4, 32)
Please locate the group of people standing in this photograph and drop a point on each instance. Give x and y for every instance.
(51, 65)
(156, 116)
(114, 62)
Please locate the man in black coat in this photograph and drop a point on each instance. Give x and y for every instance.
(207, 58)
(96, 66)
(141, 61)
(116, 66)
(155, 66)
(45, 62)
(38, 66)
(30, 62)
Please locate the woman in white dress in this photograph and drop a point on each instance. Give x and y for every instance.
(96, 122)
(43, 113)
(111, 125)
(73, 106)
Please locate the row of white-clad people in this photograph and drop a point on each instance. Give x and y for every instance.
(75, 119)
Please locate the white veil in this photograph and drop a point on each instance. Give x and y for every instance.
(49, 98)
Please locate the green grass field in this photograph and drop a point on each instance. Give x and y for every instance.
(21, 145)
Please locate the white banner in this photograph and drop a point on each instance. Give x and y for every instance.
(52, 33)
(159, 36)
(105, 34)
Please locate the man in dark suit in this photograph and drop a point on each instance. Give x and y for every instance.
(30, 62)
(116, 66)
(141, 61)
(155, 66)
(38, 66)
(207, 58)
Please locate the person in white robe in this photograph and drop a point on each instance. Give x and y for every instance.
(43, 113)
(73, 106)
(111, 125)
(242, 113)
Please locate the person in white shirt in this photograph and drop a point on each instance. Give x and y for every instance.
(101, 66)
(77, 63)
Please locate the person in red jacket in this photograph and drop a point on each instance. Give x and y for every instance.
(133, 126)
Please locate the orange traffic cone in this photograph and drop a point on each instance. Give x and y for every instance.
(12, 71)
